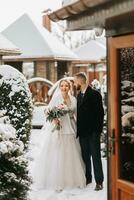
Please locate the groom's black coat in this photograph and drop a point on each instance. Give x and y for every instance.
(90, 113)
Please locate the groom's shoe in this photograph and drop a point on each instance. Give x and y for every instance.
(98, 187)
(88, 182)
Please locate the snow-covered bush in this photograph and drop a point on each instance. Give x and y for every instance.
(14, 179)
(15, 99)
(127, 111)
(96, 84)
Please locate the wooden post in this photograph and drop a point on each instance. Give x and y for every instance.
(1, 62)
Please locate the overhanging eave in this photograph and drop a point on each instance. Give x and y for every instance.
(103, 14)
(74, 9)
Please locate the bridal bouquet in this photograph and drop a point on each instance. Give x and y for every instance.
(55, 114)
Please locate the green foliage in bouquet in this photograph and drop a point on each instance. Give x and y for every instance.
(56, 113)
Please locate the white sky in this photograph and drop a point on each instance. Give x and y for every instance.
(10, 10)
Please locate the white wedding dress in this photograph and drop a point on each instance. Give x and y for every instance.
(60, 165)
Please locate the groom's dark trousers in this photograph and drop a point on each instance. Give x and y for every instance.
(90, 114)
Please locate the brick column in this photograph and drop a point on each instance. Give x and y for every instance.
(40, 69)
(52, 71)
(70, 68)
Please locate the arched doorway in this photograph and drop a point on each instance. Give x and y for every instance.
(39, 88)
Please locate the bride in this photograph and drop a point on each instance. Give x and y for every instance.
(60, 165)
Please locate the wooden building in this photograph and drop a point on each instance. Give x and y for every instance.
(116, 17)
(50, 58)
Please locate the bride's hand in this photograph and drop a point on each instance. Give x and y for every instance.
(56, 121)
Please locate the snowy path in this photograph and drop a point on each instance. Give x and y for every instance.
(75, 194)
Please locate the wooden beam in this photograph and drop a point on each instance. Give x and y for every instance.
(0, 59)
(98, 17)
(74, 9)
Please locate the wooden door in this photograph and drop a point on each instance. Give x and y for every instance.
(121, 117)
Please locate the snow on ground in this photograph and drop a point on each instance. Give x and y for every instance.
(87, 193)
(38, 116)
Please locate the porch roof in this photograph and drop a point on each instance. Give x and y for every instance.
(87, 14)
(36, 41)
(92, 50)
(74, 7)
(7, 47)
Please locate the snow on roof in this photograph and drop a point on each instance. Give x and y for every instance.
(7, 47)
(67, 2)
(36, 41)
(92, 50)
(8, 72)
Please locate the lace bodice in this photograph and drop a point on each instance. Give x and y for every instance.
(68, 121)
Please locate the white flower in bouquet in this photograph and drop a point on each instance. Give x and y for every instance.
(55, 114)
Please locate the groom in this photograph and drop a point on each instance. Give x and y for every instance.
(90, 116)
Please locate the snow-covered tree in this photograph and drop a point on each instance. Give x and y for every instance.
(72, 39)
(97, 86)
(14, 179)
(127, 113)
(15, 98)
(127, 108)
(15, 125)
